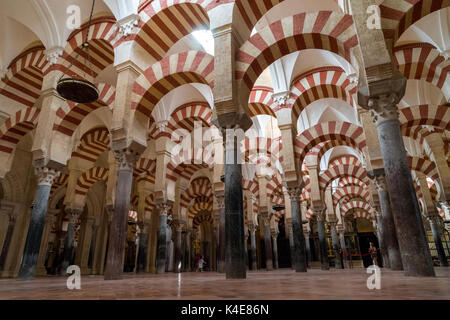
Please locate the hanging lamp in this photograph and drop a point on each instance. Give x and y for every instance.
(76, 89)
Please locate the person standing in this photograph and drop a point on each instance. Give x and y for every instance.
(373, 251)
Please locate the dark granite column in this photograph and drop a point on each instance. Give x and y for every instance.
(433, 218)
(246, 249)
(275, 249)
(73, 216)
(144, 227)
(388, 225)
(343, 246)
(125, 160)
(323, 243)
(382, 240)
(215, 267)
(252, 231)
(336, 247)
(235, 267)
(299, 254)
(161, 251)
(291, 242)
(178, 246)
(220, 196)
(93, 246)
(188, 247)
(308, 249)
(7, 241)
(267, 240)
(416, 257)
(45, 177)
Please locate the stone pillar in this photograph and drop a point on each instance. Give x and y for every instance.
(291, 241)
(49, 220)
(308, 249)
(178, 246)
(84, 245)
(125, 162)
(161, 252)
(235, 267)
(46, 177)
(74, 216)
(299, 254)
(382, 240)
(188, 249)
(7, 241)
(343, 246)
(267, 240)
(275, 249)
(323, 244)
(433, 219)
(388, 226)
(143, 244)
(215, 265)
(222, 246)
(246, 248)
(336, 247)
(416, 257)
(93, 246)
(252, 231)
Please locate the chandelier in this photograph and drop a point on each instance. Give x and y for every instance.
(76, 89)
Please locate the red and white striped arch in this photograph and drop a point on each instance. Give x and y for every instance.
(255, 146)
(339, 171)
(351, 181)
(70, 115)
(398, 15)
(309, 214)
(368, 212)
(324, 30)
(59, 182)
(22, 82)
(164, 23)
(103, 38)
(184, 117)
(345, 160)
(149, 203)
(351, 192)
(261, 102)
(343, 132)
(17, 126)
(199, 187)
(145, 170)
(168, 74)
(320, 83)
(414, 117)
(199, 219)
(89, 178)
(427, 167)
(422, 61)
(201, 204)
(250, 185)
(93, 144)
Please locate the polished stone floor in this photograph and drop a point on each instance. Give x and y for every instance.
(282, 284)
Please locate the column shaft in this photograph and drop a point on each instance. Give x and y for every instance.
(234, 222)
(178, 251)
(142, 252)
(434, 225)
(336, 246)
(416, 257)
(161, 251)
(324, 264)
(299, 253)
(275, 252)
(7, 241)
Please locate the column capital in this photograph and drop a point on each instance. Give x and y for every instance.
(110, 212)
(45, 175)
(251, 228)
(384, 108)
(164, 207)
(274, 234)
(126, 158)
(178, 225)
(74, 215)
(320, 213)
(220, 197)
(294, 192)
(332, 220)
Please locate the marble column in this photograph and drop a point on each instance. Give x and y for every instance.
(50, 219)
(7, 241)
(216, 218)
(73, 216)
(267, 240)
(125, 162)
(291, 242)
(144, 227)
(93, 246)
(275, 249)
(343, 246)
(45, 177)
(382, 241)
(246, 248)
(433, 219)
(235, 267)
(334, 239)
(178, 246)
(222, 246)
(323, 243)
(416, 257)
(161, 251)
(299, 254)
(188, 247)
(308, 249)
(388, 226)
(252, 231)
